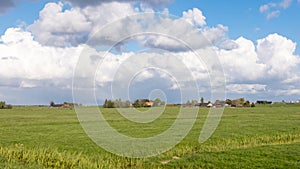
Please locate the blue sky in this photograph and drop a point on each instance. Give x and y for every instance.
(242, 17)
(257, 43)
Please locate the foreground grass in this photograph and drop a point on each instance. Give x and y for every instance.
(265, 137)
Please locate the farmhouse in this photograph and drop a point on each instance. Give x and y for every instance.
(149, 104)
(64, 105)
(204, 104)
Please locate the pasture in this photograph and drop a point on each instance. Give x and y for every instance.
(261, 137)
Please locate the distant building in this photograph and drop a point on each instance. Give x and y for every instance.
(237, 102)
(149, 104)
(204, 105)
(65, 105)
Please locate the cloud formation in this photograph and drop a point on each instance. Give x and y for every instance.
(59, 27)
(195, 17)
(44, 54)
(27, 60)
(277, 52)
(86, 3)
(72, 27)
(272, 10)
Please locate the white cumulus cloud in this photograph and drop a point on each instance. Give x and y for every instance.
(24, 58)
(277, 53)
(195, 17)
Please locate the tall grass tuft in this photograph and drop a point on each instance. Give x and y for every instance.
(46, 157)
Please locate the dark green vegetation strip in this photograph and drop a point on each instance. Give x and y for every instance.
(262, 137)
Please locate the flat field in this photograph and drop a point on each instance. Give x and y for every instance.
(261, 137)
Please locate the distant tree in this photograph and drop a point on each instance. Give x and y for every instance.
(202, 100)
(188, 103)
(127, 104)
(252, 104)
(52, 103)
(105, 103)
(242, 100)
(2, 104)
(264, 102)
(118, 103)
(247, 103)
(220, 102)
(194, 102)
(157, 102)
(228, 101)
(137, 103)
(108, 104)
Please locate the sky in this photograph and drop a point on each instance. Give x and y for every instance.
(87, 51)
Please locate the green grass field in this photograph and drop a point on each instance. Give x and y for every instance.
(261, 137)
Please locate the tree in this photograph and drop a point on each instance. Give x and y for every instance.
(137, 103)
(110, 104)
(242, 100)
(202, 100)
(52, 103)
(127, 104)
(188, 103)
(228, 101)
(157, 102)
(194, 102)
(252, 104)
(247, 104)
(105, 103)
(118, 103)
(2, 104)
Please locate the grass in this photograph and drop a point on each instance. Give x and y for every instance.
(261, 137)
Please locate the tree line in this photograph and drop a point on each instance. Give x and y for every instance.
(240, 102)
(118, 103)
(3, 105)
(148, 103)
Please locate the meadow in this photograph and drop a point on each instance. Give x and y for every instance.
(267, 136)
